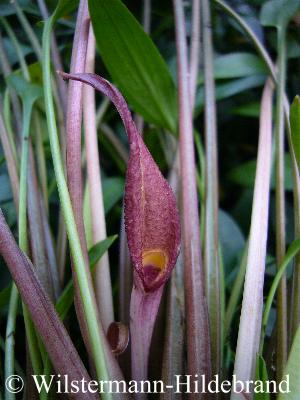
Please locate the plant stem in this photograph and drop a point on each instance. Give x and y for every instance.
(281, 355)
(23, 235)
(15, 101)
(9, 366)
(296, 188)
(125, 275)
(62, 89)
(143, 312)
(211, 237)
(74, 177)
(198, 340)
(28, 30)
(235, 294)
(147, 16)
(9, 129)
(256, 42)
(41, 159)
(102, 272)
(250, 321)
(52, 331)
(12, 167)
(292, 252)
(96, 337)
(173, 353)
(195, 51)
(115, 141)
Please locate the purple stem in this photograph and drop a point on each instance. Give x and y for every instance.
(143, 312)
(10, 161)
(58, 344)
(102, 272)
(198, 339)
(125, 276)
(73, 130)
(37, 239)
(74, 119)
(195, 51)
(251, 313)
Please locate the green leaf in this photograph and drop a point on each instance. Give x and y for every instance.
(295, 127)
(244, 174)
(7, 9)
(4, 297)
(65, 300)
(11, 51)
(292, 251)
(262, 375)
(231, 88)
(113, 189)
(239, 85)
(292, 371)
(237, 65)
(231, 249)
(97, 251)
(134, 63)
(247, 110)
(5, 191)
(64, 7)
(29, 92)
(277, 13)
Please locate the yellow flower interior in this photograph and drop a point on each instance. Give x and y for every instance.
(156, 258)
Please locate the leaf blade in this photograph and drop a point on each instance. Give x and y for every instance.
(295, 127)
(134, 62)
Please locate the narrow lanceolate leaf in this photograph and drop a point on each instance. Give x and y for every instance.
(152, 228)
(251, 314)
(58, 344)
(143, 77)
(295, 127)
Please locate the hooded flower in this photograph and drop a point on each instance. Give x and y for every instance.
(151, 215)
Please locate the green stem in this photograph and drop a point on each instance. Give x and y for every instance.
(9, 367)
(23, 235)
(211, 250)
(75, 245)
(280, 204)
(256, 42)
(15, 42)
(28, 30)
(293, 250)
(235, 293)
(41, 160)
(296, 189)
(7, 121)
(22, 214)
